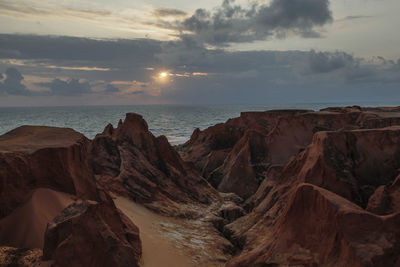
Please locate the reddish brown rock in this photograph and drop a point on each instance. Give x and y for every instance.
(35, 156)
(10, 256)
(89, 233)
(134, 163)
(234, 156)
(386, 199)
(349, 163)
(230, 211)
(306, 176)
(38, 166)
(222, 137)
(318, 227)
(262, 139)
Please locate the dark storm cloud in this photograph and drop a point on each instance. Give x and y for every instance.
(127, 59)
(76, 49)
(232, 23)
(322, 62)
(229, 76)
(12, 85)
(169, 12)
(72, 87)
(353, 70)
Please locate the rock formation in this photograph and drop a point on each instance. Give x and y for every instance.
(130, 161)
(236, 155)
(320, 228)
(34, 157)
(273, 188)
(42, 171)
(89, 233)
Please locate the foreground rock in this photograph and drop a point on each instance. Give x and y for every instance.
(42, 171)
(34, 157)
(89, 233)
(10, 256)
(319, 228)
(26, 225)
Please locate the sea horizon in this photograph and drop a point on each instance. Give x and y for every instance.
(176, 121)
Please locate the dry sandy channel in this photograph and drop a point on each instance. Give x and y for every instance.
(174, 242)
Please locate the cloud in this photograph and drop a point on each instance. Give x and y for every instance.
(169, 12)
(355, 17)
(231, 23)
(323, 62)
(105, 59)
(12, 84)
(72, 87)
(111, 89)
(132, 67)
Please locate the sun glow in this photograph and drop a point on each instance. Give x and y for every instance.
(163, 75)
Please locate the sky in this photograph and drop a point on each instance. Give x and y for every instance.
(125, 52)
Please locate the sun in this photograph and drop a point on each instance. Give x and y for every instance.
(163, 74)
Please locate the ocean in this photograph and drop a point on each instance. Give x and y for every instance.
(176, 122)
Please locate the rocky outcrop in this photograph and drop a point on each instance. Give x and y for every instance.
(230, 211)
(89, 233)
(235, 156)
(319, 228)
(346, 171)
(42, 171)
(352, 163)
(385, 199)
(34, 157)
(10, 256)
(130, 161)
(297, 188)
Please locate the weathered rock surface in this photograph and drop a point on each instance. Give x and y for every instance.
(34, 157)
(43, 170)
(297, 188)
(385, 199)
(89, 233)
(230, 211)
(130, 161)
(10, 256)
(235, 156)
(320, 228)
(349, 170)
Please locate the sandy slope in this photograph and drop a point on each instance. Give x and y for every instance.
(174, 242)
(25, 227)
(157, 249)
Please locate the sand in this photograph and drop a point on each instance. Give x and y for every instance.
(25, 227)
(157, 249)
(175, 242)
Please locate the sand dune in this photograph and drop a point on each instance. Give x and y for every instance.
(25, 227)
